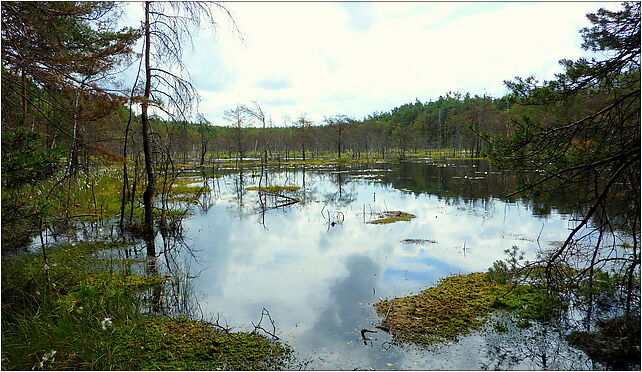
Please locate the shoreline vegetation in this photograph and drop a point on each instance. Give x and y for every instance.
(83, 308)
(96, 195)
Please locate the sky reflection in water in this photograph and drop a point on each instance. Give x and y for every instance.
(319, 281)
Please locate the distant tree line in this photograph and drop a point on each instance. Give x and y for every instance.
(453, 122)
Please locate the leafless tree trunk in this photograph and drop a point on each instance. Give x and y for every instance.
(148, 195)
(238, 117)
(167, 27)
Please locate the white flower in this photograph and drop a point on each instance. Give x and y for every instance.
(49, 355)
(106, 323)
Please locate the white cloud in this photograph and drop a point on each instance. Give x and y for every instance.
(357, 58)
(362, 15)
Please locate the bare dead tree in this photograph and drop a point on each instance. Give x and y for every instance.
(168, 26)
(339, 126)
(238, 117)
(303, 125)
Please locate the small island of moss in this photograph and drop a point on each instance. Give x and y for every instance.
(392, 216)
(456, 306)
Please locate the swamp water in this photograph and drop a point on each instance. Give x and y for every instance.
(317, 266)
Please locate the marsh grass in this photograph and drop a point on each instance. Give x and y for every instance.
(182, 189)
(182, 344)
(86, 315)
(97, 196)
(65, 312)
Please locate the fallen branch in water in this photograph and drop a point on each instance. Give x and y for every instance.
(363, 335)
(257, 327)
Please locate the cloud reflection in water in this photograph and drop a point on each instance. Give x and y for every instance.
(319, 281)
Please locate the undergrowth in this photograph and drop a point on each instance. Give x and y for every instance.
(81, 310)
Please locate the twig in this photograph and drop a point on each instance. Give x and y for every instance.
(223, 328)
(258, 326)
(540, 234)
(363, 335)
(589, 214)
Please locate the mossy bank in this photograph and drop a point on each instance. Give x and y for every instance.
(82, 309)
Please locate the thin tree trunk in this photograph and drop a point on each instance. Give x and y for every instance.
(125, 176)
(23, 80)
(125, 189)
(148, 195)
(133, 194)
(204, 142)
(73, 152)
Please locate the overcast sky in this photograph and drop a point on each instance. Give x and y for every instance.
(322, 59)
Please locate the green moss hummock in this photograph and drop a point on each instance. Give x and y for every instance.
(457, 305)
(160, 343)
(81, 311)
(392, 216)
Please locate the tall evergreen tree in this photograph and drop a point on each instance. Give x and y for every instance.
(56, 59)
(583, 130)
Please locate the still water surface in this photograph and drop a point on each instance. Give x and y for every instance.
(317, 266)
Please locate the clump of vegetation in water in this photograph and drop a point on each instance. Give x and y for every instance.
(392, 216)
(440, 313)
(274, 189)
(616, 344)
(419, 241)
(456, 306)
(78, 310)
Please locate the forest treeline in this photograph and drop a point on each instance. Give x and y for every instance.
(453, 122)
